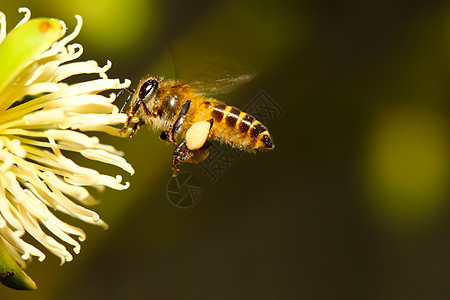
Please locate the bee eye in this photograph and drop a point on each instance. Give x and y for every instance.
(148, 87)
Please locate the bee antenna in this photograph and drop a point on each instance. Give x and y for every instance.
(131, 91)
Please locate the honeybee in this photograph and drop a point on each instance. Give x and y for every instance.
(180, 109)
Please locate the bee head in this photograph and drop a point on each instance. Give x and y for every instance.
(144, 97)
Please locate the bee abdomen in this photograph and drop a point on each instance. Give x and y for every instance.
(241, 128)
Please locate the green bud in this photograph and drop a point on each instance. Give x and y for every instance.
(23, 44)
(11, 274)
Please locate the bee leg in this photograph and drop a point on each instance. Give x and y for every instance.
(183, 154)
(164, 136)
(180, 154)
(131, 91)
(169, 135)
(136, 128)
(131, 113)
(201, 154)
(127, 123)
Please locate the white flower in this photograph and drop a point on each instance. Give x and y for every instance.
(36, 177)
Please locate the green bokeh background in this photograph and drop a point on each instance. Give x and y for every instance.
(352, 203)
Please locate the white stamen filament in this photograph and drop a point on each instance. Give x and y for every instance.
(26, 17)
(108, 158)
(2, 26)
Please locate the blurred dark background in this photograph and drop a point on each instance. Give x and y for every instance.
(353, 203)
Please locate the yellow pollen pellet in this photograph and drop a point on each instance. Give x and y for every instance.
(197, 134)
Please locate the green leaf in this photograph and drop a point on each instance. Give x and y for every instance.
(11, 274)
(23, 44)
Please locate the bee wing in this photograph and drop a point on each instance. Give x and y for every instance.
(214, 75)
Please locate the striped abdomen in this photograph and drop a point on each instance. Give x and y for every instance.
(237, 127)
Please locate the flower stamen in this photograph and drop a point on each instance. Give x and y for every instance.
(43, 121)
